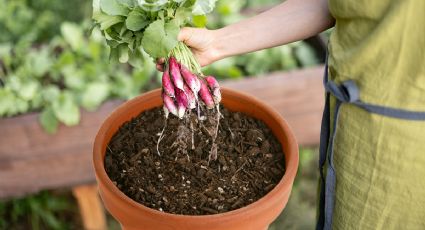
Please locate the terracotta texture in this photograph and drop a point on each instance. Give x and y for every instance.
(256, 216)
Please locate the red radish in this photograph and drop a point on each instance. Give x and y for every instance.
(191, 79)
(169, 104)
(190, 97)
(182, 102)
(167, 85)
(175, 73)
(215, 88)
(205, 95)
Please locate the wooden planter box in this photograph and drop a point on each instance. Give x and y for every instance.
(32, 160)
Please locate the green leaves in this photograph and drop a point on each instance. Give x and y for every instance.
(305, 55)
(113, 7)
(123, 53)
(157, 23)
(202, 7)
(199, 20)
(152, 5)
(11, 104)
(28, 90)
(94, 95)
(128, 3)
(136, 21)
(66, 109)
(160, 38)
(72, 34)
(48, 120)
(106, 21)
(38, 63)
(71, 72)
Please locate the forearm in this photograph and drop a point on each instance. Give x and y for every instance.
(288, 22)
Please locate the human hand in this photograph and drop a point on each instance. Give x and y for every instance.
(201, 42)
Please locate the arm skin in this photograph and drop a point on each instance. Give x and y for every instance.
(290, 21)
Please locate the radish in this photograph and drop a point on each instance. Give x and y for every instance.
(191, 99)
(215, 88)
(167, 85)
(182, 103)
(191, 79)
(169, 105)
(175, 73)
(205, 95)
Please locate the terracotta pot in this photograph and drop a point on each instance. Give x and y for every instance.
(256, 216)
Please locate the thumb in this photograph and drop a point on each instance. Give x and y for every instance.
(185, 35)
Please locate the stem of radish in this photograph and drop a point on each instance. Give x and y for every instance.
(184, 55)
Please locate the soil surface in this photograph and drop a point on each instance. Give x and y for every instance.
(193, 176)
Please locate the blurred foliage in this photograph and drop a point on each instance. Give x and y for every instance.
(45, 210)
(51, 62)
(38, 20)
(59, 77)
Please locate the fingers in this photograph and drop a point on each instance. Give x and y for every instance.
(185, 35)
(160, 64)
(160, 67)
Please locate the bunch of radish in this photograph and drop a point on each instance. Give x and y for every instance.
(183, 90)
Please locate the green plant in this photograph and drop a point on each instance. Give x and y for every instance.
(59, 77)
(131, 26)
(36, 21)
(44, 210)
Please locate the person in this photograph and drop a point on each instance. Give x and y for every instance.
(372, 158)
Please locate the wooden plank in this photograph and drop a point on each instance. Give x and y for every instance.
(31, 160)
(297, 95)
(91, 208)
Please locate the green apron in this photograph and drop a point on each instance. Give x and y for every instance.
(375, 173)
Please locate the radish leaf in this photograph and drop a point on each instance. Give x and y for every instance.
(202, 7)
(112, 7)
(136, 21)
(160, 38)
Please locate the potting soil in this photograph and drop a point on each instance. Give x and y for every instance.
(185, 177)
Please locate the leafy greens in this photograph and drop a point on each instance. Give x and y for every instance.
(133, 26)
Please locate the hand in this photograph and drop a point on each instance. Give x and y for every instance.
(201, 41)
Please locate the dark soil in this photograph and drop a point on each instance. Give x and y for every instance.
(185, 178)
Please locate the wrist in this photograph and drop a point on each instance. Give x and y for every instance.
(218, 45)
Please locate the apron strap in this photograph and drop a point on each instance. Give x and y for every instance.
(346, 92)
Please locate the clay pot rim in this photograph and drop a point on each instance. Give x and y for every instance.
(284, 186)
